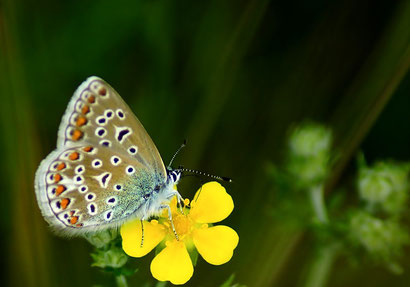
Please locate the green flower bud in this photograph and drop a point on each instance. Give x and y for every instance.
(102, 238)
(310, 140)
(385, 185)
(308, 171)
(383, 239)
(309, 153)
(114, 258)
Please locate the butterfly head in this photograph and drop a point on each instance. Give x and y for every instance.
(174, 176)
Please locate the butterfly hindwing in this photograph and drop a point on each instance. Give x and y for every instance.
(90, 188)
(97, 115)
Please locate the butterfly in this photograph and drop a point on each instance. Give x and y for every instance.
(105, 170)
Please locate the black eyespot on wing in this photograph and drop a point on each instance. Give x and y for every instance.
(122, 134)
(104, 178)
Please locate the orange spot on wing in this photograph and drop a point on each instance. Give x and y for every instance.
(61, 166)
(60, 189)
(71, 212)
(102, 92)
(88, 149)
(81, 121)
(57, 177)
(91, 99)
(85, 110)
(74, 219)
(79, 225)
(77, 134)
(75, 155)
(64, 203)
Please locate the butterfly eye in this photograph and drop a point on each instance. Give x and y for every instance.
(147, 195)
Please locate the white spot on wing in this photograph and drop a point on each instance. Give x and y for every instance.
(80, 169)
(101, 132)
(78, 106)
(121, 133)
(79, 179)
(109, 114)
(108, 215)
(133, 150)
(105, 143)
(103, 179)
(115, 160)
(97, 163)
(120, 114)
(83, 189)
(112, 200)
(91, 210)
(101, 121)
(129, 169)
(73, 119)
(90, 196)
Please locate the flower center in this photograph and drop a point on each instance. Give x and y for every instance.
(183, 224)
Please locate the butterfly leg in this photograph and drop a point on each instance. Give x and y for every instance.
(180, 202)
(142, 233)
(170, 219)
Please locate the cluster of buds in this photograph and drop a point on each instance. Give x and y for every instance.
(383, 188)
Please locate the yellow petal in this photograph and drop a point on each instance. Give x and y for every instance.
(173, 264)
(215, 244)
(211, 203)
(131, 234)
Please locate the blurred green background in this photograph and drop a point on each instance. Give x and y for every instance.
(229, 76)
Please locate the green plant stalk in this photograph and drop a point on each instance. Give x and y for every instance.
(322, 266)
(121, 281)
(316, 194)
(322, 263)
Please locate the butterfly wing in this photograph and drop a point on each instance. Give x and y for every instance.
(104, 165)
(97, 115)
(88, 188)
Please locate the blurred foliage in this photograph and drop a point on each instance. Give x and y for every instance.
(233, 77)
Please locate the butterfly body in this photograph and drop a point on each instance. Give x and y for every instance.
(106, 169)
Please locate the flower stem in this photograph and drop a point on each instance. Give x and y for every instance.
(321, 267)
(121, 281)
(318, 203)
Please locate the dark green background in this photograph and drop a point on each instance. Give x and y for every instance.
(231, 77)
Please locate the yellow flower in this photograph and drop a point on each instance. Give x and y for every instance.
(211, 204)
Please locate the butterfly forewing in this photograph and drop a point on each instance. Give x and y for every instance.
(90, 187)
(97, 115)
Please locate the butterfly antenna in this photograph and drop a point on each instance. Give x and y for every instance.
(197, 172)
(175, 154)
